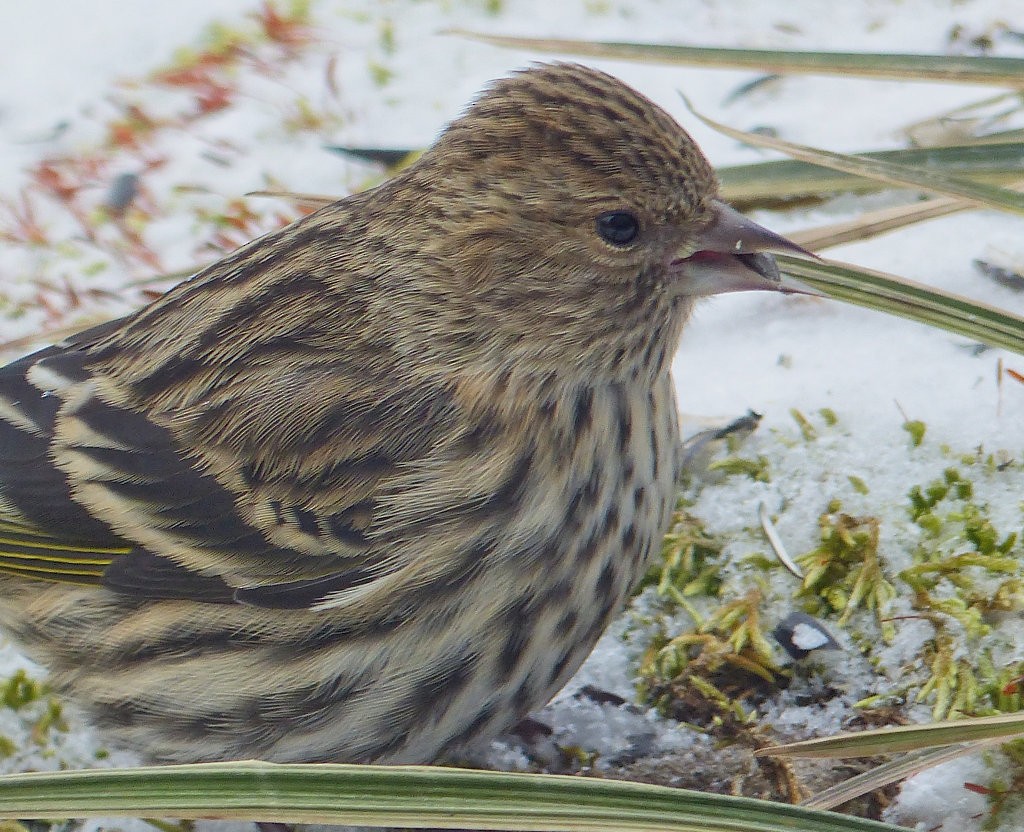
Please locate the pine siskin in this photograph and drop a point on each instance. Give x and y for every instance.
(373, 485)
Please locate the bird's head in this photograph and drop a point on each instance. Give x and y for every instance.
(569, 220)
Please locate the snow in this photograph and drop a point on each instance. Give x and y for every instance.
(937, 798)
(59, 82)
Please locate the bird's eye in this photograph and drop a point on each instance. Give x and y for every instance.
(619, 228)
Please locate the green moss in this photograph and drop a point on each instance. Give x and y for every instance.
(380, 74)
(961, 571)
(689, 563)
(705, 674)
(807, 430)
(1014, 749)
(761, 562)
(916, 429)
(930, 523)
(858, 484)
(758, 468)
(21, 690)
(52, 719)
(386, 35)
(844, 571)
(1003, 687)
(303, 117)
(829, 416)
(952, 686)
(961, 546)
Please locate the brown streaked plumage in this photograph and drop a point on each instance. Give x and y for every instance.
(373, 485)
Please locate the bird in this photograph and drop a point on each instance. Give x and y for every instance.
(369, 488)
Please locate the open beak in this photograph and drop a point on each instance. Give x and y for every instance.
(732, 256)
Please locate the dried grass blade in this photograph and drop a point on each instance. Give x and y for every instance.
(892, 772)
(903, 738)
(883, 171)
(964, 69)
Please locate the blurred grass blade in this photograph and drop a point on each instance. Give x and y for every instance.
(787, 179)
(783, 180)
(873, 223)
(878, 777)
(312, 201)
(904, 738)
(874, 168)
(974, 122)
(907, 299)
(1002, 137)
(881, 221)
(964, 69)
(405, 796)
(391, 158)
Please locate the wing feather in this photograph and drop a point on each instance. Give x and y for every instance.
(250, 436)
(93, 491)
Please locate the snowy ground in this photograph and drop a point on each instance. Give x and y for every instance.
(396, 81)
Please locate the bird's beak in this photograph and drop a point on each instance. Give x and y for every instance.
(732, 256)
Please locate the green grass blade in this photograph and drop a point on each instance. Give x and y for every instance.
(964, 69)
(875, 168)
(409, 796)
(907, 299)
(786, 179)
(904, 738)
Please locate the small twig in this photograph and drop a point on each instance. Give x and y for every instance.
(776, 542)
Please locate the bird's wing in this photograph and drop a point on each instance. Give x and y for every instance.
(268, 502)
